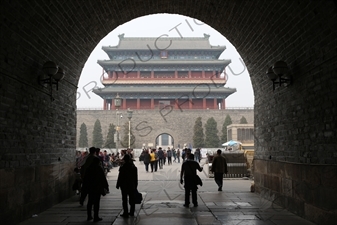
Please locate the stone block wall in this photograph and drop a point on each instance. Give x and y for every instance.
(147, 125)
(306, 190)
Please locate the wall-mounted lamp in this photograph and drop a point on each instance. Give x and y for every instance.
(278, 74)
(55, 74)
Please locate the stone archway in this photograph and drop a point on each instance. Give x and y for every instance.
(163, 130)
(164, 140)
(39, 134)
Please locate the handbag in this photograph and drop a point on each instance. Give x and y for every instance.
(138, 197)
(104, 191)
(198, 180)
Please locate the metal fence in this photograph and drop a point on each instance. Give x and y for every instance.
(236, 165)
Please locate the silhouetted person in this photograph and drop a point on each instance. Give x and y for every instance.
(169, 156)
(219, 167)
(161, 157)
(128, 181)
(94, 183)
(189, 171)
(178, 155)
(197, 155)
(86, 163)
(146, 159)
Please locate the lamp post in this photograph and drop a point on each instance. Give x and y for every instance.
(118, 103)
(129, 113)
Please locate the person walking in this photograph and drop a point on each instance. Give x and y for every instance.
(165, 156)
(146, 159)
(188, 152)
(219, 167)
(188, 172)
(157, 160)
(153, 160)
(169, 156)
(86, 163)
(95, 184)
(161, 157)
(197, 155)
(106, 161)
(178, 155)
(174, 153)
(128, 182)
(183, 154)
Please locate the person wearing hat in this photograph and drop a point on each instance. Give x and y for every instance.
(128, 182)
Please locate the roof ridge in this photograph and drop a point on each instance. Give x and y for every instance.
(205, 37)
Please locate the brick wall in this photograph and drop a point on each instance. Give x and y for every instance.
(179, 124)
(293, 125)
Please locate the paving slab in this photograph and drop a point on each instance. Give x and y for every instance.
(163, 199)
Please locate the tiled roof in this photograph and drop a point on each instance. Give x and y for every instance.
(162, 43)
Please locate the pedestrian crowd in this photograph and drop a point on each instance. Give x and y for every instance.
(157, 158)
(91, 172)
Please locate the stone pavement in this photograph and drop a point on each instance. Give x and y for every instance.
(163, 204)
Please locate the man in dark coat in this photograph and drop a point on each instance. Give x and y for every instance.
(189, 171)
(161, 157)
(146, 159)
(95, 184)
(169, 156)
(86, 163)
(128, 182)
(219, 167)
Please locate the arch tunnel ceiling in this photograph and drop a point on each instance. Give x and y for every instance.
(260, 30)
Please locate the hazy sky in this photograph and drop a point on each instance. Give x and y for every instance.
(173, 26)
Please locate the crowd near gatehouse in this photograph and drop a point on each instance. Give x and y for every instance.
(93, 165)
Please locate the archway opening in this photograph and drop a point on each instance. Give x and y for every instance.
(160, 25)
(170, 25)
(164, 141)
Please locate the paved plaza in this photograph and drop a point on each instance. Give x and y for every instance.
(163, 204)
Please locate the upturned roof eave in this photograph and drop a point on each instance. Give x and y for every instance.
(164, 62)
(148, 81)
(117, 48)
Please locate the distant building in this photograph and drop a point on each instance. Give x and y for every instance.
(243, 133)
(173, 73)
